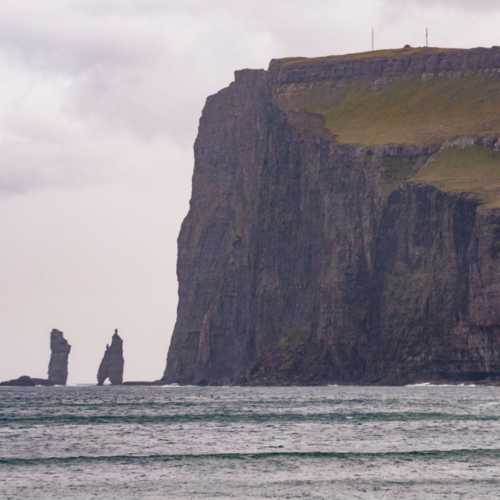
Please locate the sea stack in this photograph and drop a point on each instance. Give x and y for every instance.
(59, 354)
(111, 366)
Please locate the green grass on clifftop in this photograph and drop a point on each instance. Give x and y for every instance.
(415, 111)
(473, 169)
(372, 54)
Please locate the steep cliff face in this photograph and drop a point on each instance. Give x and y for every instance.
(59, 354)
(318, 250)
(112, 363)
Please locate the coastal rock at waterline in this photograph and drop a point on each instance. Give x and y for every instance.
(111, 366)
(25, 381)
(59, 354)
(58, 365)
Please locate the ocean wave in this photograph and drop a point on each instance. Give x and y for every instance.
(311, 455)
(430, 384)
(352, 417)
(202, 403)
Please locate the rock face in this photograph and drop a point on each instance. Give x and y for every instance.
(58, 365)
(307, 258)
(111, 366)
(59, 354)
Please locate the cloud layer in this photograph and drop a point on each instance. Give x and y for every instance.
(81, 77)
(89, 73)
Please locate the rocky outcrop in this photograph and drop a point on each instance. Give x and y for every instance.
(58, 365)
(111, 366)
(59, 354)
(144, 383)
(385, 64)
(25, 381)
(306, 260)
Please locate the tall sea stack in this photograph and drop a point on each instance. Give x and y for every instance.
(344, 225)
(59, 354)
(111, 366)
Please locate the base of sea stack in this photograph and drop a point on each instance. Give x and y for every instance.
(25, 381)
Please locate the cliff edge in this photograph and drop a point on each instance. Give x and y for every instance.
(344, 225)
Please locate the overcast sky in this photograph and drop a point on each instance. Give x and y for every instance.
(99, 104)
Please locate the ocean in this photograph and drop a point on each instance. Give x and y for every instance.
(174, 442)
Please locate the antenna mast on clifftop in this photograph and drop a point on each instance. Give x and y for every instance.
(373, 39)
(426, 37)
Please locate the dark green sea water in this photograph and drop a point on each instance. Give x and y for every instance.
(231, 442)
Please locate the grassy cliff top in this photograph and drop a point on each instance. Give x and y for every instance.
(415, 111)
(473, 169)
(412, 110)
(373, 54)
(400, 98)
(417, 101)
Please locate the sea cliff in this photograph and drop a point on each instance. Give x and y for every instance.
(344, 225)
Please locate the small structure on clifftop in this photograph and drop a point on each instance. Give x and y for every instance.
(59, 354)
(111, 366)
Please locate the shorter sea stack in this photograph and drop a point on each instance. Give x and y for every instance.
(59, 353)
(111, 366)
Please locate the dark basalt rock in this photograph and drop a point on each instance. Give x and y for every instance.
(144, 383)
(111, 366)
(307, 261)
(25, 381)
(58, 365)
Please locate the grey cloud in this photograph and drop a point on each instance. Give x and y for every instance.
(65, 40)
(472, 5)
(33, 165)
(145, 67)
(142, 68)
